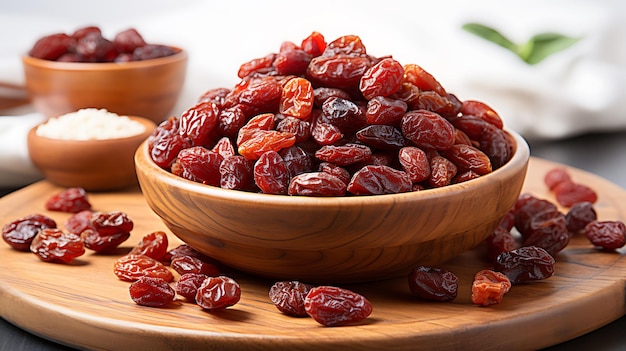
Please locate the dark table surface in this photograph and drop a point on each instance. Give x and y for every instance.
(603, 154)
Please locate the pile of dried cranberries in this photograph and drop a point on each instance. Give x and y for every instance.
(329, 119)
(87, 44)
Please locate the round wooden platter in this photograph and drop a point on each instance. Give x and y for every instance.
(84, 305)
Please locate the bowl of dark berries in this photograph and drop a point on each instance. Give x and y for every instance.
(328, 164)
(124, 74)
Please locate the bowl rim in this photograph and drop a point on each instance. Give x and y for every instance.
(148, 124)
(518, 162)
(94, 66)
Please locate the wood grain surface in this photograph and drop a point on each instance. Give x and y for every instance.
(84, 305)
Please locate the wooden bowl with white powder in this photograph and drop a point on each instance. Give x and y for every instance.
(89, 148)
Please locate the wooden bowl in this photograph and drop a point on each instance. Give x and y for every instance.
(95, 165)
(333, 240)
(147, 88)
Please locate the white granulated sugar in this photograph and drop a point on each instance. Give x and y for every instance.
(89, 124)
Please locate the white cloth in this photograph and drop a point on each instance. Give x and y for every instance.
(578, 90)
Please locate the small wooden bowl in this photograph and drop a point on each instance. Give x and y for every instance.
(147, 88)
(333, 240)
(95, 165)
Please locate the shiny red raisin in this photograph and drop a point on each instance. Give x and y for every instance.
(55, 245)
(72, 200)
(20, 233)
(435, 284)
(288, 297)
(609, 235)
(333, 306)
(525, 264)
(152, 292)
(218, 293)
(489, 287)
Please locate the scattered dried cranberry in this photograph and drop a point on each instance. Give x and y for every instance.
(489, 287)
(288, 297)
(20, 233)
(333, 306)
(55, 245)
(132, 267)
(153, 245)
(436, 284)
(579, 215)
(72, 200)
(525, 264)
(188, 264)
(188, 284)
(609, 235)
(152, 292)
(218, 293)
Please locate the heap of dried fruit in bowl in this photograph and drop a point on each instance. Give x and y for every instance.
(330, 119)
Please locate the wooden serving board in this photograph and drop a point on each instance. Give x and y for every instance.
(84, 305)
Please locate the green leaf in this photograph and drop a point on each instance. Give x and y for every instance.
(490, 34)
(533, 51)
(546, 44)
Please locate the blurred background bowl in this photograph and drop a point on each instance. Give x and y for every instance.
(95, 165)
(148, 88)
(337, 239)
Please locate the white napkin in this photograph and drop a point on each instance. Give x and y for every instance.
(16, 169)
(574, 91)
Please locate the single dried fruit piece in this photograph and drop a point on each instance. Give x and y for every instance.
(415, 163)
(316, 184)
(152, 292)
(51, 46)
(489, 287)
(109, 223)
(344, 155)
(569, 193)
(428, 130)
(72, 200)
(609, 235)
(525, 264)
(198, 121)
(103, 243)
(218, 293)
(547, 230)
(296, 99)
(482, 111)
(184, 249)
(436, 284)
(468, 158)
(442, 171)
(79, 222)
(198, 164)
(263, 141)
(128, 40)
(271, 174)
(188, 284)
(385, 110)
(378, 180)
(501, 240)
(382, 79)
(20, 233)
(236, 173)
(55, 245)
(188, 264)
(417, 76)
(333, 306)
(556, 176)
(381, 137)
(288, 297)
(153, 245)
(579, 215)
(132, 267)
